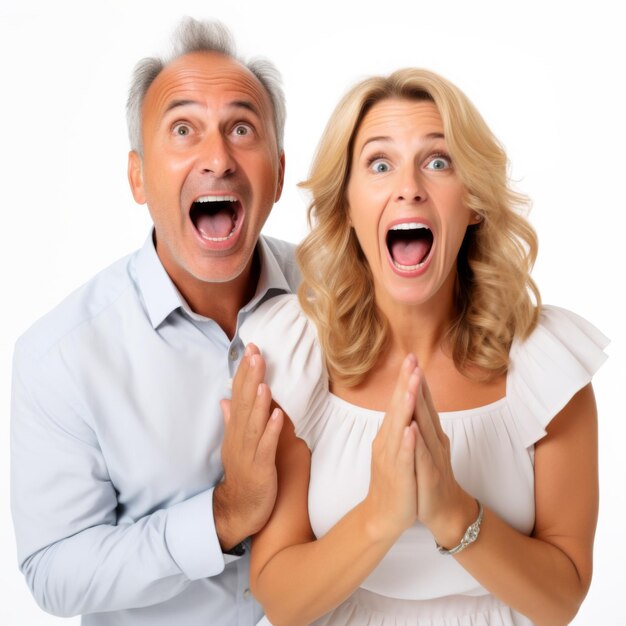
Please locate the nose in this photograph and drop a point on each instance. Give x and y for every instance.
(215, 156)
(410, 188)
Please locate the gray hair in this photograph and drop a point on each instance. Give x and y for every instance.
(200, 36)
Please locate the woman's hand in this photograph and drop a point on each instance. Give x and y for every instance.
(442, 505)
(391, 501)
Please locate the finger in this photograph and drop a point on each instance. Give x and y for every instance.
(431, 407)
(245, 391)
(259, 414)
(396, 417)
(225, 405)
(406, 454)
(423, 456)
(401, 416)
(425, 418)
(244, 365)
(266, 450)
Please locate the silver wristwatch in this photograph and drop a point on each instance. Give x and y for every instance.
(471, 534)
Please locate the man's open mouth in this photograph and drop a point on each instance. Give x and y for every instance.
(216, 217)
(409, 244)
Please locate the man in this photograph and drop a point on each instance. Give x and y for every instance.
(127, 508)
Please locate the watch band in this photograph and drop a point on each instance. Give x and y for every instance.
(471, 534)
(238, 550)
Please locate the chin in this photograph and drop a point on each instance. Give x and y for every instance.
(219, 272)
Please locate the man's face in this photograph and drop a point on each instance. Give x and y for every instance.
(210, 171)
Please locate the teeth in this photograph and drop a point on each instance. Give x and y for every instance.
(409, 226)
(219, 238)
(408, 268)
(216, 199)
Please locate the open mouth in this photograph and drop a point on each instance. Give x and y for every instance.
(216, 217)
(409, 245)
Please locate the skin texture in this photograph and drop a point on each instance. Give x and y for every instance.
(545, 576)
(207, 129)
(401, 171)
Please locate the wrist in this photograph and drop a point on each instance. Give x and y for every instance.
(228, 529)
(450, 530)
(380, 527)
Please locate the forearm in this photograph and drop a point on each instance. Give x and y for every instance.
(303, 582)
(531, 575)
(113, 567)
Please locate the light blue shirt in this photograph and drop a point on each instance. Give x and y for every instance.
(116, 432)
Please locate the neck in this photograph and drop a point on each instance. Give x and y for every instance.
(419, 328)
(221, 302)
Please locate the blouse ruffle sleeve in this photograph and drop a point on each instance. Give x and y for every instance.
(295, 372)
(547, 369)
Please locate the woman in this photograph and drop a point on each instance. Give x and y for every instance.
(473, 499)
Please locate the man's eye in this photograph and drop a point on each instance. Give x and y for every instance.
(242, 130)
(182, 130)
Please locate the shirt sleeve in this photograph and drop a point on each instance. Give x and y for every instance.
(547, 369)
(76, 557)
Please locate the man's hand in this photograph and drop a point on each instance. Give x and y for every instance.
(244, 500)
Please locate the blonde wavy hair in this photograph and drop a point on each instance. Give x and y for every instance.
(495, 296)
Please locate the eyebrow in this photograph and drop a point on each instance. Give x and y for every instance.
(180, 103)
(385, 138)
(235, 104)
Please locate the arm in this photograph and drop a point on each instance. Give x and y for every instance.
(297, 578)
(545, 576)
(76, 556)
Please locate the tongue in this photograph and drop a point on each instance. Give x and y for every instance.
(215, 226)
(409, 253)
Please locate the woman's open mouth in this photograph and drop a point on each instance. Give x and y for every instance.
(216, 217)
(409, 245)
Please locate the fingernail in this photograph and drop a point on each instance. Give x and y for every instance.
(275, 414)
(259, 389)
(252, 360)
(247, 351)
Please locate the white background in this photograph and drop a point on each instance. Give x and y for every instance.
(547, 76)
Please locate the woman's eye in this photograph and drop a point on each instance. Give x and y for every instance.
(379, 166)
(438, 163)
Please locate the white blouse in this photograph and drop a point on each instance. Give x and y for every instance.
(491, 447)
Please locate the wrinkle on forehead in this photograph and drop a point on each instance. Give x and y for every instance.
(201, 75)
(396, 115)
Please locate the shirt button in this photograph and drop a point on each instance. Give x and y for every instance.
(246, 594)
(233, 354)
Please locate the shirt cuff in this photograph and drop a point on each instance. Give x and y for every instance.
(192, 539)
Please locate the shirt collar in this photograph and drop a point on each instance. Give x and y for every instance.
(271, 277)
(159, 293)
(161, 297)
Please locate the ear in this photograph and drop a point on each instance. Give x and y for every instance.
(474, 218)
(281, 176)
(135, 177)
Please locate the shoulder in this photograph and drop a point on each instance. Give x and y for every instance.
(283, 250)
(81, 308)
(285, 254)
(287, 339)
(550, 366)
(278, 314)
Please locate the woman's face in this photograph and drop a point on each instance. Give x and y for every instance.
(405, 201)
